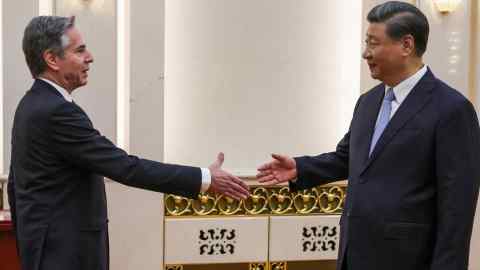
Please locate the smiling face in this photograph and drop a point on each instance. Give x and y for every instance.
(71, 70)
(385, 56)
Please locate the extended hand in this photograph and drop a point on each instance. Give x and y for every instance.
(281, 169)
(226, 183)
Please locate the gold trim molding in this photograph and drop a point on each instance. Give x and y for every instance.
(276, 200)
(173, 267)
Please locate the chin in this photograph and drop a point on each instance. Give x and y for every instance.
(375, 75)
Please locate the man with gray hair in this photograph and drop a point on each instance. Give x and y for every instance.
(56, 189)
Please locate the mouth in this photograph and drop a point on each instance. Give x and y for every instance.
(372, 66)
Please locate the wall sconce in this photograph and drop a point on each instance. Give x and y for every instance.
(446, 6)
(95, 6)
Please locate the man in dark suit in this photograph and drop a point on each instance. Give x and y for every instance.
(56, 187)
(411, 156)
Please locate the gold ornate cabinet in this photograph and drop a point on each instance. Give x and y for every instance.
(273, 229)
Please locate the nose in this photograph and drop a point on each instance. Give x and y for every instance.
(366, 54)
(89, 58)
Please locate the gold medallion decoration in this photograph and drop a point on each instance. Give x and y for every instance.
(278, 266)
(281, 201)
(228, 206)
(257, 203)
(306, 201)
(258, 266)
(177, 205)
(331, 200)
(204, 205)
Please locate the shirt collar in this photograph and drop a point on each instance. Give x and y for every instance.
(402, 89)
(60, 89)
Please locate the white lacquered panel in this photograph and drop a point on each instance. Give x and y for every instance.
(299, 238)
(216, 240)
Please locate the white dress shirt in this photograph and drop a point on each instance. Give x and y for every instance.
(61, 90)
(206, 175)
(404, 88)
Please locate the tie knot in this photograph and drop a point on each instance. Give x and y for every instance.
(389, 96)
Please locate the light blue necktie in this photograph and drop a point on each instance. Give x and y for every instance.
(383, 118)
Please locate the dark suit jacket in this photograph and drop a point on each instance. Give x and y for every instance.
(411, 204)
(56, 185)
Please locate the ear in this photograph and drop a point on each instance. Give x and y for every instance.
(51, 59)
(408, 45)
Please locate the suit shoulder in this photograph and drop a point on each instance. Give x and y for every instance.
(451, 101)
(37, 105)
(448, 96)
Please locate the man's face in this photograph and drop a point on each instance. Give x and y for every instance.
(385, 57)
(74, 65)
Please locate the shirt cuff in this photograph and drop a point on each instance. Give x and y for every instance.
(294, 180)
(206, 179)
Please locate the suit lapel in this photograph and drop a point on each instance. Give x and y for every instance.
(415, 101)
(372, 106)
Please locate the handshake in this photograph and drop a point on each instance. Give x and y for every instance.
(280, 169)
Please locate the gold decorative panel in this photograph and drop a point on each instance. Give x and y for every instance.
(328, 199)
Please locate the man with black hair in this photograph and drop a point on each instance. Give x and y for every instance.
(411, 156)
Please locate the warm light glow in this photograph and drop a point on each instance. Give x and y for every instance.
(45, 7)
(123, 75)
(95, 6)
(446, 6)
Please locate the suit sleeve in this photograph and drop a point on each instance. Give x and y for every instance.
(75, 139)
(458, 177)
(324, 168)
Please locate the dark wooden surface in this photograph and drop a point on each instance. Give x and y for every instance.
(8, 248)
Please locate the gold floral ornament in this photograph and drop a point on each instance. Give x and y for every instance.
(278, 266)
(177, 205)
(228, 206)
(331, 200)
(257, 203)
(305, 202)
(258, 266)
(263, 201)
(280, 201)
(204, 205)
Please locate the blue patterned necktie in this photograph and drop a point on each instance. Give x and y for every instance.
(383, 118)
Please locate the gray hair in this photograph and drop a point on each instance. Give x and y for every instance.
(45, 33)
